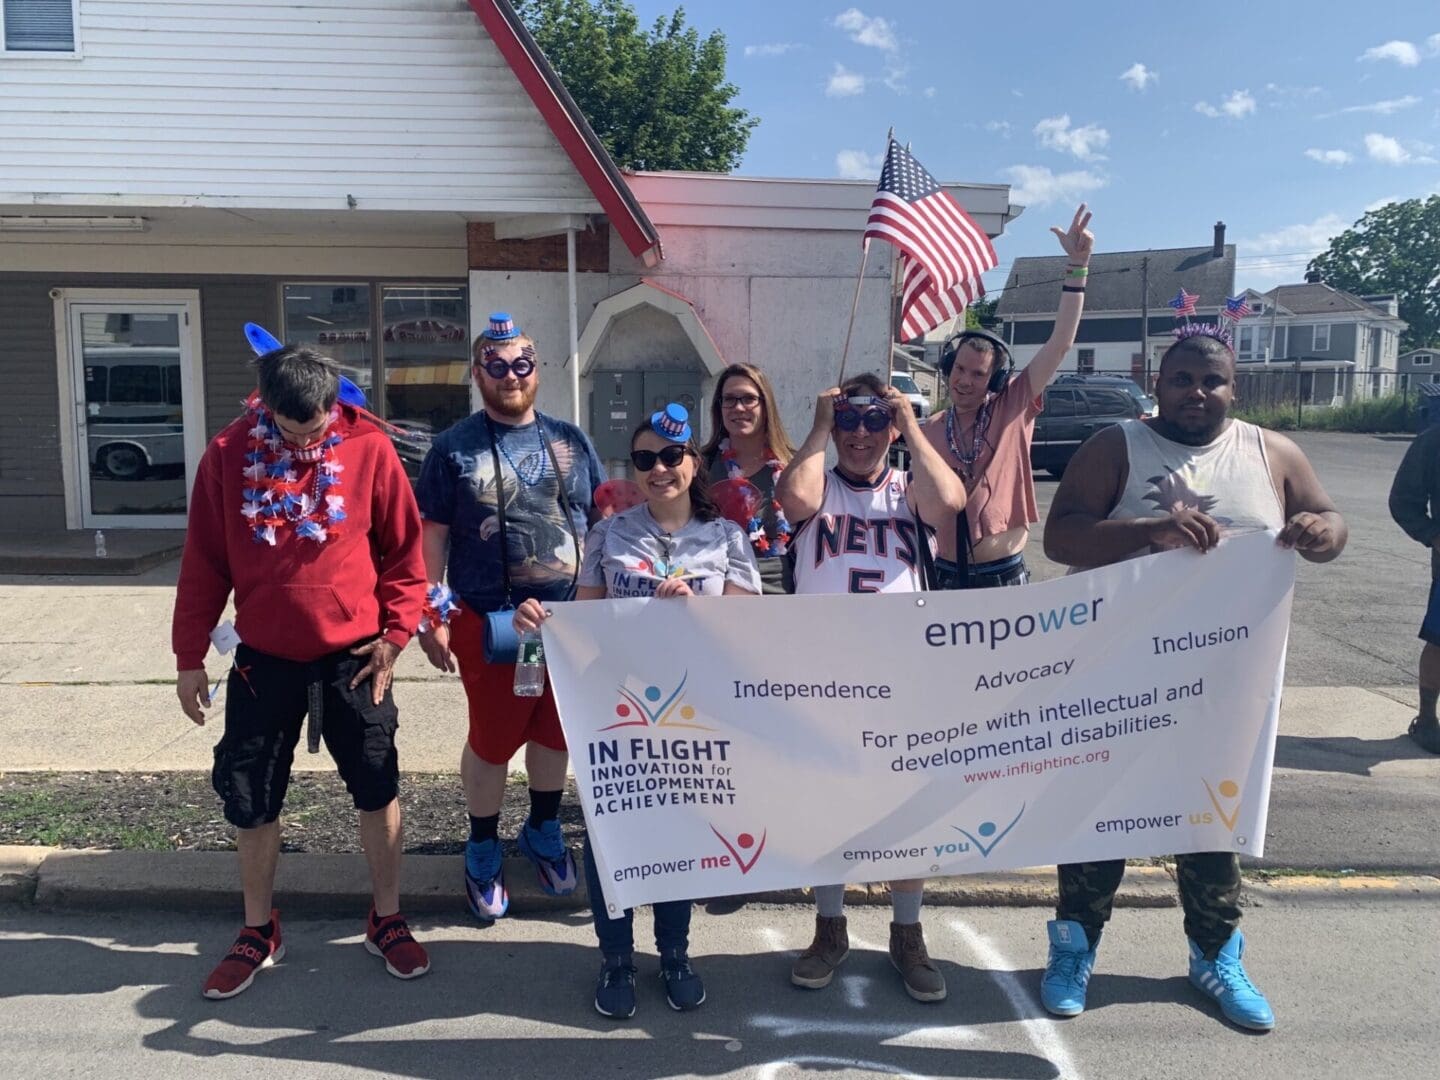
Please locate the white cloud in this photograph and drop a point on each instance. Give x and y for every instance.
(844, 83)
(1283, 253)
(1390, 151)
(1239, 104)
(1307, 237)
(864, 29)
(1403, 53)
(1379, 108)
(1000, 127)
(858, 165)
(1055, 133)
(1432, 44)
(1035, 185)
(778, 48)
(1330, 157)
(929, 91)
(1138, 76)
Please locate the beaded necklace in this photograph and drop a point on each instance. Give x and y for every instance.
(982, 425)
(759, 539)
(274, 497)
(526, 469)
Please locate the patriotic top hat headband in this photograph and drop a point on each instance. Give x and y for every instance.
(502, 328)
(672, 422)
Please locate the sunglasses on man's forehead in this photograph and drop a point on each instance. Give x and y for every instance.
(523, 365)
(670, 457)
(852, 412)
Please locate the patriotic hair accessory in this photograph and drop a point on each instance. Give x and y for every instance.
(1209, 330)
(262, 342)
(672, 422)
(439, 606)
(502, 328)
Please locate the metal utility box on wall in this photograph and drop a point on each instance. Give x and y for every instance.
(621, 400)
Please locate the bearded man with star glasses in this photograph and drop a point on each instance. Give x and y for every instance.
(506, 497)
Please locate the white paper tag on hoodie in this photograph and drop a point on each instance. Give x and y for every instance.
(224, 637)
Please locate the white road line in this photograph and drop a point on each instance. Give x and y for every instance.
(888, 1032)
(771, 1069)
(855, 987)
(1041, 1031)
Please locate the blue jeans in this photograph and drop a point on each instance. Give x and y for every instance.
(617, 936)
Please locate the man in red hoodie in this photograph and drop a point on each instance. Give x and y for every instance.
(301, 508)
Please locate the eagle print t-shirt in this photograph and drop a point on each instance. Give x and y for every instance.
(457, 487)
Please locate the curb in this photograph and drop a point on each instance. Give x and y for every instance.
(90, 879)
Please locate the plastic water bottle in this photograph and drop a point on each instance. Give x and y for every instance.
(530, 666)
(100, 551)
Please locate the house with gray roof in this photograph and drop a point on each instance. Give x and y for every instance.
(1350, 344)
(1124, 288)
(1419, 366)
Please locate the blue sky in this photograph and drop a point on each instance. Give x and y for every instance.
(1286, 120)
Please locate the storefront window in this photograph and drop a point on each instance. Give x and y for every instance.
(426, 362)
(336, 320)
(420, 348)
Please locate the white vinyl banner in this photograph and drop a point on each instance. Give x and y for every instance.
(742, 744)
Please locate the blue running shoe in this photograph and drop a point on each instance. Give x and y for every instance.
(554, 864)
(615, 989)
(683, 988)
(1067, 971)
(485, 880)
(1224, 979)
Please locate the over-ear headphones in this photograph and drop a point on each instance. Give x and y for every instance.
(1004, 363)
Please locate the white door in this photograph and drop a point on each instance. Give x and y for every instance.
(138, 409)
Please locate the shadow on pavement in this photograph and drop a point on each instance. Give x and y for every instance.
(1344, 753)
(331, 1002)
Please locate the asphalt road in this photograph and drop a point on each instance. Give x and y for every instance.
(1354, 620)
(111, 995)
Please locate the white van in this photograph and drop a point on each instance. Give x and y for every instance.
(135, 420)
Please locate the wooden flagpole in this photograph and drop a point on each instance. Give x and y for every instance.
(859, 284)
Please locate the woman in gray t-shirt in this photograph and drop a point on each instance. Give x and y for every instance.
(674, 544)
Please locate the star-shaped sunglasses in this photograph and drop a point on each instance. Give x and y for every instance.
(523, 365)
(852, 412)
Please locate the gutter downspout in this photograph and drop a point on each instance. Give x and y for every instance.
(574, 328)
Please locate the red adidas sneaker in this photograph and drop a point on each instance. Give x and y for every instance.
(390, 939)
(251, 952)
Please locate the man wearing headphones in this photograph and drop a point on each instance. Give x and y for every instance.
(985, 433)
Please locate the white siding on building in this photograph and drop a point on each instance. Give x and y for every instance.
(281, 104)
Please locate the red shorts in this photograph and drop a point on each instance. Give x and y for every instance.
(500, 722)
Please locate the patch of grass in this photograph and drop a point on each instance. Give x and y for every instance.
(1392, 413)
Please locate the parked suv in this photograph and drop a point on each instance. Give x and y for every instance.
(919, 403)
(1073, 412)
(1114, 382)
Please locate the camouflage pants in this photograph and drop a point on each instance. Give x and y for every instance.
(1209, 892)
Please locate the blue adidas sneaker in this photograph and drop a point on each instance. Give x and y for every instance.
(615, 989)
(1067, 970)
(545, 848)
(683, 988)
(1224, 979)
(485, 880)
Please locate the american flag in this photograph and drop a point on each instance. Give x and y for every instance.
(1236, 308)
(1184, 302)
(915, 214)
(922, 307)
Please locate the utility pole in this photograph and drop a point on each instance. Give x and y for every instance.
(1145, 318)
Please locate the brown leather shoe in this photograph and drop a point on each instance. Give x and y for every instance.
(923, 980)
(815, 967)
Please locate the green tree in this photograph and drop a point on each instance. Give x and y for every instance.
(980, 315)
(1393, 249)
(657, 98)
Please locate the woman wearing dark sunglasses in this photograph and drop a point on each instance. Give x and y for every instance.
(747, 452)
(674, 544)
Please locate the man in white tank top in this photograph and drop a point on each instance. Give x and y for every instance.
(866, 529)
(1187, 478)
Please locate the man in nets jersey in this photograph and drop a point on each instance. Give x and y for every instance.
(866, 528)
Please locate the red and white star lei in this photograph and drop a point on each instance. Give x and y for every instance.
(759, 540)
(273, 494)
